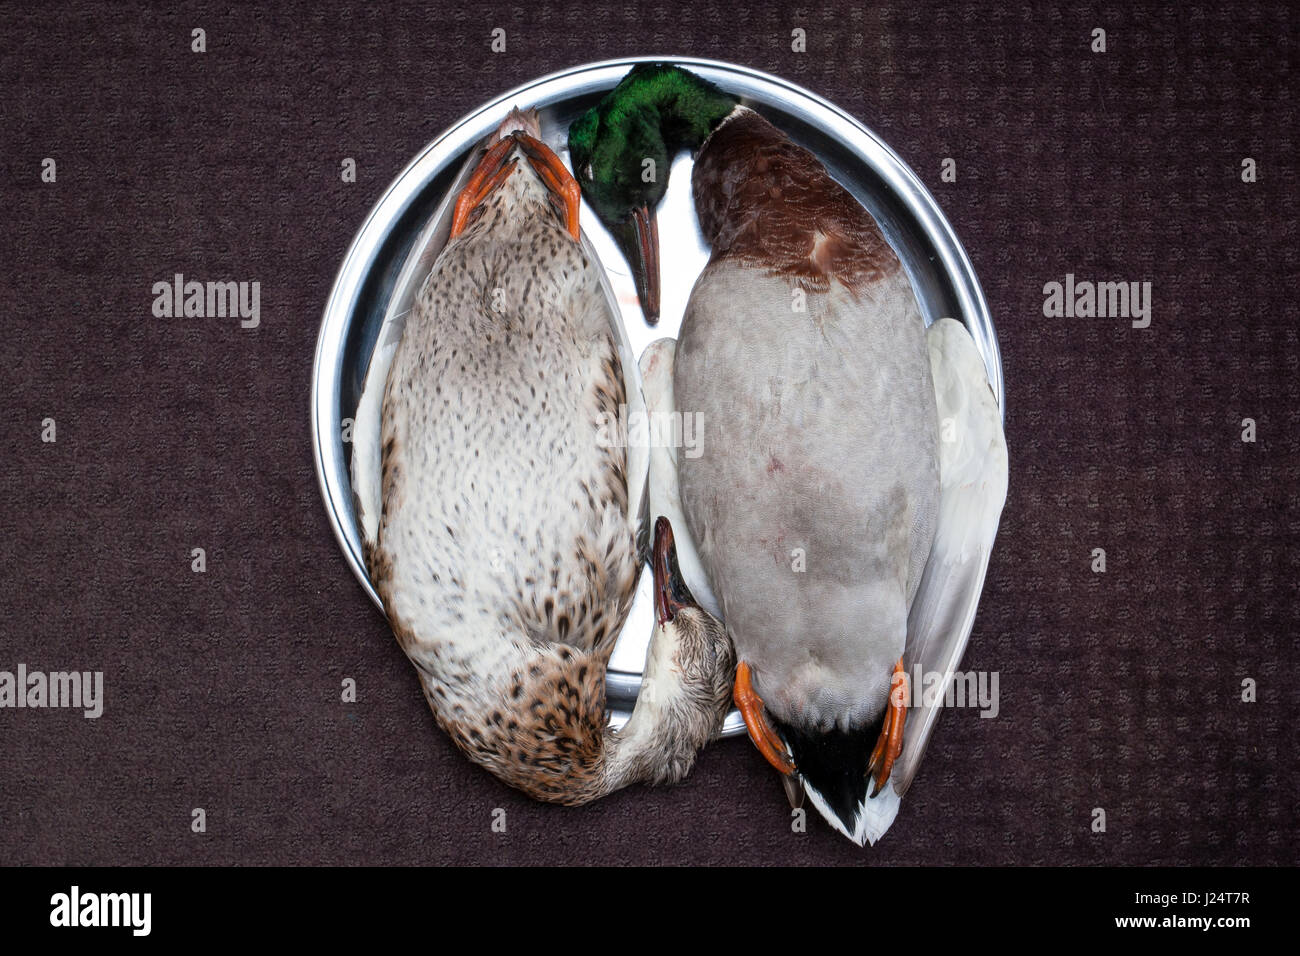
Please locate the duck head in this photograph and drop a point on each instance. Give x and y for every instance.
(673, 598)
(696, 666)
(622, 151)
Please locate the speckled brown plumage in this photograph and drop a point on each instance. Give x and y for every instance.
(505, 556)
(763, 200)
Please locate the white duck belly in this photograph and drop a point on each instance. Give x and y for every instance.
(814, 501)
(504, 487)
(528, 383)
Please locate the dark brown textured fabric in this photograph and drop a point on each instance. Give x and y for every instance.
(1118, 690)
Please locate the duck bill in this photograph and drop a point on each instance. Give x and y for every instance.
(671, 593)
(638, 240)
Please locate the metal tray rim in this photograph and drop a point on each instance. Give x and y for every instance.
(349, 281)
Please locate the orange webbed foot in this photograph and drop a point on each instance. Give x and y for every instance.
(558, 180)
(761, 733)
(890, 743)
(488, 175)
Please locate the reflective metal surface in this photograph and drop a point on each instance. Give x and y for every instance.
(396, 244)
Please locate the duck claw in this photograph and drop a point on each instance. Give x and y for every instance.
(890, 743)
(761, 733)
(493, 170)
(794, 791)
(488, 175)
(557, 178)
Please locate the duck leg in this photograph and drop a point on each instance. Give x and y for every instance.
(761, 733)
(489, 174)
(564, 188)
(890, 743)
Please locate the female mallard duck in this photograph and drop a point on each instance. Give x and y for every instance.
(502, 528)
(843, 540)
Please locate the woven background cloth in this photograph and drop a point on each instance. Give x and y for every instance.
(1119, 690)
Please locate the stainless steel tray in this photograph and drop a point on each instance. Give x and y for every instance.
(391, 253)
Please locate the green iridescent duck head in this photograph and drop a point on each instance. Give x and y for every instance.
(622, 150)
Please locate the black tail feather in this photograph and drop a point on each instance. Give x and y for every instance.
(834, 764)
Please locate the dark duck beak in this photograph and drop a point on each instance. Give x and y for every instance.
(671, 593)
(638, 239)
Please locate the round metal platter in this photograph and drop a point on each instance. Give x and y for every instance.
(392, 252)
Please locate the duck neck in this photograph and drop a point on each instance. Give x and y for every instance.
(668, 726)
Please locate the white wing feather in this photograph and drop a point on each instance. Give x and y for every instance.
(665, 498)
(972, 489)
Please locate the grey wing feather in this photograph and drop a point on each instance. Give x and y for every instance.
(973, 488)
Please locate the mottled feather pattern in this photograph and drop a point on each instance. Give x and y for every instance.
(505, 559)
(547, 734)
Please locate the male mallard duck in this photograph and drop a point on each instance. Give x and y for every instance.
(825, 508)
(501, 527)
